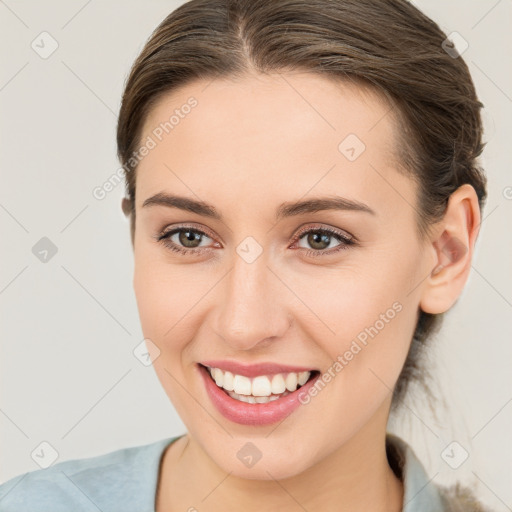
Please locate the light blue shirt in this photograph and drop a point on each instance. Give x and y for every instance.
(126, 481)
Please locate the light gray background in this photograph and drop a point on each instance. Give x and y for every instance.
(69, 326)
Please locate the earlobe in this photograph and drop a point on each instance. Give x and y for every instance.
(453, 250)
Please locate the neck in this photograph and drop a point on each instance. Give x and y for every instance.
(356, 477)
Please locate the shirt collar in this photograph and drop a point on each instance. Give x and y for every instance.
(420, 493)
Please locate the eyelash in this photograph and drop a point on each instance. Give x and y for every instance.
(346, 241)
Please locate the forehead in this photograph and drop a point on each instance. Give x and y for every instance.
(268, 135)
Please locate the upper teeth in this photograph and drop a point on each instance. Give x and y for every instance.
(262, 385)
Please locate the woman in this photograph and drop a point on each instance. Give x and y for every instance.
(304, 198)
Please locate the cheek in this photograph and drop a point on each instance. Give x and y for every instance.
(365, 312)
(163, 309)
(371, 329)
(159, 289)
(373, 359)
(170, 300)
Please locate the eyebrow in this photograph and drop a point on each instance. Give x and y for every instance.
(288, 209)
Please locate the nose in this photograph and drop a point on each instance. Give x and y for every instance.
(251, 309)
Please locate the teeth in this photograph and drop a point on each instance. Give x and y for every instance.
(261, 386)
(303, 377)
(278, 385)
(260, 389)
(241, 385)
(255, 399)
(218, 376)
(291, 381)
(228, 383)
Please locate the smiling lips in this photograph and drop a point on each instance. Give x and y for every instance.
(260, 389)
(256, 394)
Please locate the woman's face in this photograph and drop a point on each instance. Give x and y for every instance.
(258, 283)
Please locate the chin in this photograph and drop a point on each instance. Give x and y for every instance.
(257, 457)
(274, 464)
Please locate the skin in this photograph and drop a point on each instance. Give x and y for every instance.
(250, 145)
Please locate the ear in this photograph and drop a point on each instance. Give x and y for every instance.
(126, 206)
(452, 247)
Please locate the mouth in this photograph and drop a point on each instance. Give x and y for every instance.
(257, 399)
(259, 389)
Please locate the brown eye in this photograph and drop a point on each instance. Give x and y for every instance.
(320, 241)
(189, 239)
(184, 240)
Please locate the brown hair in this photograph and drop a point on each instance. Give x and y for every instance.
(388, 45)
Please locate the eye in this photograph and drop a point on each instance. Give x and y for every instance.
(321, 238)
(184, 240)
(187, 240)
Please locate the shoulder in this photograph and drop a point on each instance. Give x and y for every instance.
(125, 477)
(420, 494)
